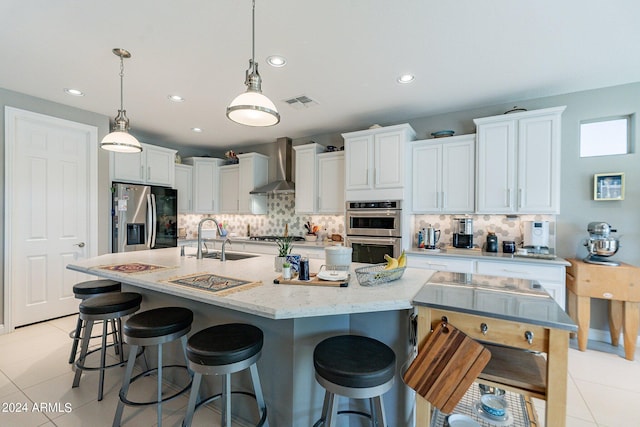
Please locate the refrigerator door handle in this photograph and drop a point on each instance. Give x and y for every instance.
(154, 221)
(149, 225)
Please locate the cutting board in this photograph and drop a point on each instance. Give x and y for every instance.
(313, 281)
(446, 366)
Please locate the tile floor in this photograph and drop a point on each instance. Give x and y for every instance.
(603, 387)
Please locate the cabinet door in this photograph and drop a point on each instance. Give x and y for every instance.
(229, 176)
(205, 180)
(254, 172)
(427, 177)
(331, 183)
(458, 177)
(496, 185)
(306, 180)
(127, 167)
(388, 160)
(359, 163)
(539, 164)
(183, 183)
(159, 169)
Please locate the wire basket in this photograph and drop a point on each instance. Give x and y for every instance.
(377, 275)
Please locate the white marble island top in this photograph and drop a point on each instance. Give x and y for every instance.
(265, 299)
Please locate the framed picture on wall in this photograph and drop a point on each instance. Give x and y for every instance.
(608, 186)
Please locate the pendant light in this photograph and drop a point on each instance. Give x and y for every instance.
(252, 108)
(120, 139)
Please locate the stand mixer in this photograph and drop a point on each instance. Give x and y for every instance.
(600, 244)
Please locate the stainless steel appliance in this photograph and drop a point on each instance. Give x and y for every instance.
(374, 229)
(535, 235)
(601, 244)
(431, 237)
(463, 234)
(143, 217)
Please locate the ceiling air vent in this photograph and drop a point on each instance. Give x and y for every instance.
(302, 101)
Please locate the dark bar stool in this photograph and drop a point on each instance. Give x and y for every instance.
(82, 291)
(356, 367)
(105, 307)
(153, 327)
(224, 350)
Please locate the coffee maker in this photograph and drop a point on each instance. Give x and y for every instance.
(463, 233)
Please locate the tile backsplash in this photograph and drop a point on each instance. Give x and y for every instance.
(505, 227)
(280, 211)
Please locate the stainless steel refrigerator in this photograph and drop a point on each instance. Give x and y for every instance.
(144, 217)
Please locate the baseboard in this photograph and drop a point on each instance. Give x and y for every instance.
(605, 336)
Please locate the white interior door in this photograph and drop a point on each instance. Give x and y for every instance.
(51, 182)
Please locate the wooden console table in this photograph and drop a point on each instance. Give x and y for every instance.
(620, 285)
(520, 317)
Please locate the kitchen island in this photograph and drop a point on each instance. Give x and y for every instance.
(294, 318)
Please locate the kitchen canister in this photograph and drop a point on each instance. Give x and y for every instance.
(337, 255)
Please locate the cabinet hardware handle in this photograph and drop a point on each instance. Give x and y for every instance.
(515, 271)
(508, 197)
(444, 201)
(436, 265)
(520, 197)
(149, 172)
(528, 335)
(484, 328)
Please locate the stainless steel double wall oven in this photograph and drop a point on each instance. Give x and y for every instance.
(374, 229)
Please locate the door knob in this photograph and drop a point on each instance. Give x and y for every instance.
(80, 245)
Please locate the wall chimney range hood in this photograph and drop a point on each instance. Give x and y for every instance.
(283, 182)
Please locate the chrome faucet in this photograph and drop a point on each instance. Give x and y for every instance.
(223, 257)
(202, 221)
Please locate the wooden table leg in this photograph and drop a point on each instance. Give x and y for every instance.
(631, 319)
(423, 407)
(572, 308)
(583, 319)
(557, 365)
(615, 321)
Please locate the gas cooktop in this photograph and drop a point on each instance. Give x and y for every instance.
(275, 238)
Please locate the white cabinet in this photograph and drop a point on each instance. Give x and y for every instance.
(376, 162)
(229, 188)
(184, 185)
(550, 276)
(153, 166)
(331, 183)
(444, 175)
(319, 180)
(253, 173)
(205, 183)
(518, 162)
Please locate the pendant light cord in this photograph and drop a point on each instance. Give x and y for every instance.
(253, 34)
(121, 82)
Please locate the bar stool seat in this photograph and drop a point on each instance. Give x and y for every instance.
(87, 289)
(224, 350)
(103, 307)
(153, 327)
(356, 367)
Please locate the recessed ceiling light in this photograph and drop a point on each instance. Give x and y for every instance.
(175, 98)
(74, 92)
(197, 129)
(276, 61)
(406, 78)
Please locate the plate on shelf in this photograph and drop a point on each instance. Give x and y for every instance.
(458, 420)
(333, 275)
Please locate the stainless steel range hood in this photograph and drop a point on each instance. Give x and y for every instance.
(283, 182)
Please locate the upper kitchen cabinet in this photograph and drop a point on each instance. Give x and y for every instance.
(518, 162)
(229, 196)
(253, 173)
(153, 166)
(375, 162)
(319, 180)
(206, 179)
(184, 185)
(444, 175)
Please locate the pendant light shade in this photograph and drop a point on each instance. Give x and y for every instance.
(120, 140)
(252, 108)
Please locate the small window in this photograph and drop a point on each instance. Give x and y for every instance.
(605, 137)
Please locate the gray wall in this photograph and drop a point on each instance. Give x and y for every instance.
(25, 102)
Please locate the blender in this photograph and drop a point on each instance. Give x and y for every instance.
(600, 244)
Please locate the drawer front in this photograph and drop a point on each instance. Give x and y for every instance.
(498, 331)
(542, 273)
(440, 263)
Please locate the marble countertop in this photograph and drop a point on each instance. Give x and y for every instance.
(486, 256)
(265, 299)
(505, 298)
(317, 244)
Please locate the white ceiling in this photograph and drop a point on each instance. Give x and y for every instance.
(345, 54)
